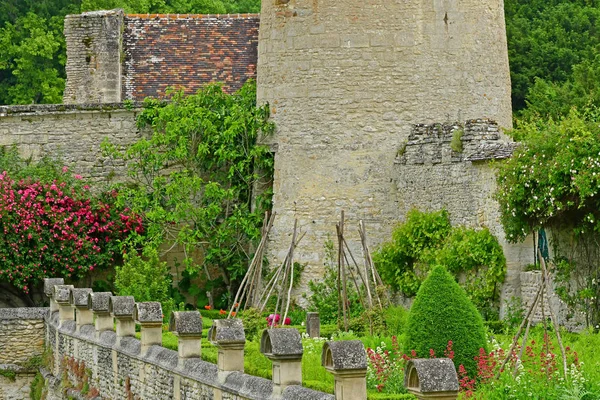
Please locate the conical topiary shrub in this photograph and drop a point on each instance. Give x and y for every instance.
(442, 312)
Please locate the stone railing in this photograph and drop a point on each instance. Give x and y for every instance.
(94, 350)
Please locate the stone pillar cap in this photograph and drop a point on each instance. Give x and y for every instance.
(79, 297)
(49, 284)
(281, 343)
(62, 293)
(98, 302)
(430, 375)
(121, 306)
(344, 355)
(148, 312)
(227, 332)
(186, 323)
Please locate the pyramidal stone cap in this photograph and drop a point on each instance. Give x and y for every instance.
(98, 301)
(49, 284)
(344, 355)
(227, 331)
(148, 312)
(62, 293)
(281, 343)
(79, 297)
(186, 323)
(121, 306)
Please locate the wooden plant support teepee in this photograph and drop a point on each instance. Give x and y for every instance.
(527, 320)
(368, 275)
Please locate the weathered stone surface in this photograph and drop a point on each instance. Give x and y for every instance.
(49, 283)
(431, 375)
(186, 323)
(121, 306)
(281, 343)
(79, 297)
(227, 331)
(313, 324)
(148, 312)
(21, 334)
(302, 393)
(99, 302)
(62, 294)
(344, 355)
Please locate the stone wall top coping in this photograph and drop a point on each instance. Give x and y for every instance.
(41, 109)
(162, 356)
(25, 313)
(79, 297)
(248, 386)
(430, 375)
(281, 343)
(49, 284)
(98, 301)
(87, 331)
(227, 332)
(62, 293)
(344, 355)
(295, 392)
(186, 323)
(148, 312)
(121, 306)
(130, 345)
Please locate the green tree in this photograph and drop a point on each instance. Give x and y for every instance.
(192, 179)
(442, 312)
(546, 38)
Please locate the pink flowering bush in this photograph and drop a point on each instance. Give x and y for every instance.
(273, 320)
(58, 228)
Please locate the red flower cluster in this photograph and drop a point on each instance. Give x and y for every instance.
(57, 229)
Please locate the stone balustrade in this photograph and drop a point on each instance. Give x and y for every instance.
(100, 340)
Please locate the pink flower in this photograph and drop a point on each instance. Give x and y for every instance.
(65, 169)
(78, 176)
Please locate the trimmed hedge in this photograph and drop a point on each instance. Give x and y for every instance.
(388, 396)
(442, 312)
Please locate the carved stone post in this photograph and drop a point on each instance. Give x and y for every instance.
(283, 346)
(49, 284)
(431, 378)
(79, 300)
(228, 336)
(62, 296)
(313, 324)
(187, 326)
(98, 303)
(149, 315)
(121, 308)
(347, 361)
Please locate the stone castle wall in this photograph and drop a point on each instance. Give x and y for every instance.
(21, 341)
(346, 82)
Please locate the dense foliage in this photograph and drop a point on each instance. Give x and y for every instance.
(52, 224)
(547, 39)
(442, 312)
(193, 177)
(428, 239)
(146, 278)
(553, 180)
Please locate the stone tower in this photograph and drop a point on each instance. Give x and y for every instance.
(346, 81)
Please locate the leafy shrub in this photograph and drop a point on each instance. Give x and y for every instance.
(145, 278)
(395, 318)
(474, 257)
(400, 261)
(53, 225)
(442, 312)
(254, 323)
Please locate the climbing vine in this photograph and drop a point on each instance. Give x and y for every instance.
(473, 256)
(193, 177)
(553, 181)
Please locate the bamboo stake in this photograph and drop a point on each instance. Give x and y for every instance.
(524, 343)
(552, 316)
(291, 262)
(370, 300)
(516, 338)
